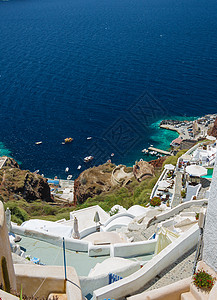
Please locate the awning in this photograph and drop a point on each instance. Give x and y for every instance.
(164, 184)
(195, 170)
(169, 167)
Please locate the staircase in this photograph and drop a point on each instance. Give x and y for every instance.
(194, 294)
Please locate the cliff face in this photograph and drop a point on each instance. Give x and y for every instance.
(142, 170)
(22, 184)
(214, 129)
(92, 182)
(158, 163)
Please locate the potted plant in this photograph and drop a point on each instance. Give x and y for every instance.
(156, 201)
(197, 216)
(203, 280)
(183, 193)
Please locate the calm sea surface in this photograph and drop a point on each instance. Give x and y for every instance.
(109, 69)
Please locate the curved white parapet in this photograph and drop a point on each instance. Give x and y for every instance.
(165, 258)
(120, 250)
(119, 215)
(137, 210)
(98, 250)
(174, 211)
(91, 283)
(134, 249)
(71, 244)
(121, 221)
(156, 184)
(87, 231)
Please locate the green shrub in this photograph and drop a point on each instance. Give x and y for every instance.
(203, 280)
(156, 201)
(17, 212)
(183, 193)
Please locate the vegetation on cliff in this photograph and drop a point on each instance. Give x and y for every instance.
(28, 194)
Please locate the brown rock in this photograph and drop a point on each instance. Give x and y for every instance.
(214, 129)
(17, 184)
(158, 163)
(142, 170)
(92, 182)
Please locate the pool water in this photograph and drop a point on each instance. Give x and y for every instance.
(53, 255)
(209, 173)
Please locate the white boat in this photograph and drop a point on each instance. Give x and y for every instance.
(89, 138)
(88, 158)
(145, 151)
(36, 172)
(79, 167)
(67, 169)
(112, 154)
(69, 177)
(38, 143)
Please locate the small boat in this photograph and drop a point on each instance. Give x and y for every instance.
(68, 140)
(79, 167)
(36, 172)
(67, 169)
(88, 158)
(89, 138)
(145, 151)
(38, 143)
(69, 177)
(112, 154)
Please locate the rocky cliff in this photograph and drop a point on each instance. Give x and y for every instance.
(93, 181)
(214, 129)
(142, 170)
(22, 184)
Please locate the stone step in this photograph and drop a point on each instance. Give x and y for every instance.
(198, 294)
(187, 296)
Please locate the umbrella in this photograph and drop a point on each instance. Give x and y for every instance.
(169, 167)
(75, 234)
(211, 138)
(195, 170)
(96, 218)
(164, 184)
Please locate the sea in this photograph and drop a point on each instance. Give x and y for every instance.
(106, 69)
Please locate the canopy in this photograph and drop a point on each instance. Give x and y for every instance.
(195, 170)
(165, 237)
(164, 184)
(169, 167)
(186, 157)
(211, 138)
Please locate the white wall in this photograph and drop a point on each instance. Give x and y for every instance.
(134, 249)
(174, 211)
(89, 284)
(165, 258)
(71, 244)
(210, 233)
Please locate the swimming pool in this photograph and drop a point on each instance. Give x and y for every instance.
(209, 173)
(53, 255)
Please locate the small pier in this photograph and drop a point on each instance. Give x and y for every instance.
(159, 151)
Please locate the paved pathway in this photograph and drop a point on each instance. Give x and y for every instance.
(177, 193)
(179, 270)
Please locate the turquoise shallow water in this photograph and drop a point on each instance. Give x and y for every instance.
(4, 151)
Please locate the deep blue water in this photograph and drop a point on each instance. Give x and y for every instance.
(108, 69)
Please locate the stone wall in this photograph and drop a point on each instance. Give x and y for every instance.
(210, 233)
(7, 276)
